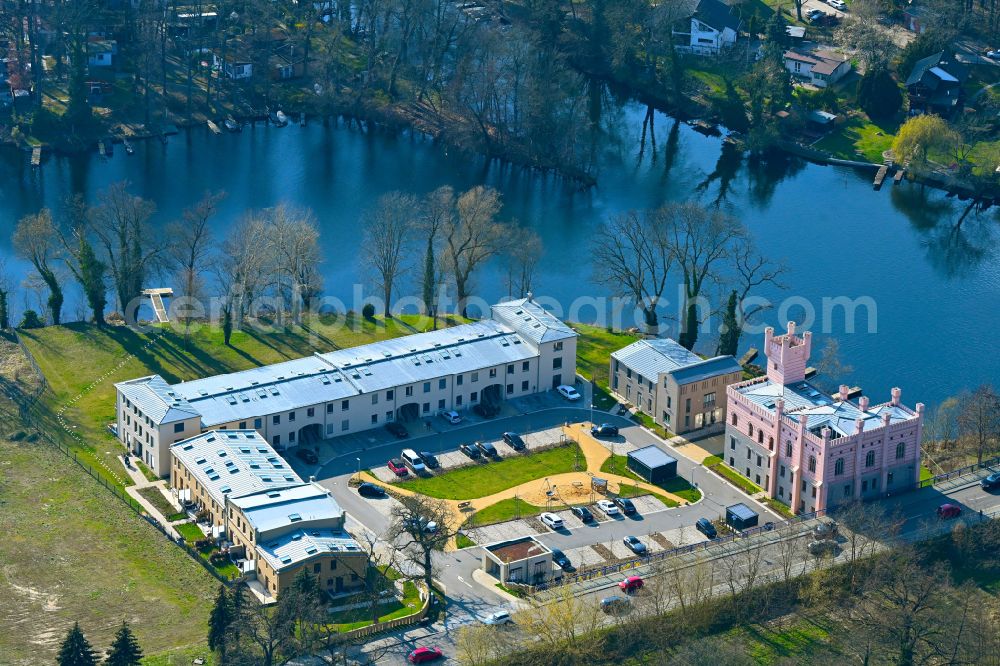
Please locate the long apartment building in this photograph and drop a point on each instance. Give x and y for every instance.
(522, 349)
(813, 451)
(275, 522)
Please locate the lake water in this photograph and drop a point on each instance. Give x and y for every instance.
(935, 286)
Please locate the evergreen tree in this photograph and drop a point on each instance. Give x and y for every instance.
(219, 622)
(227, 324)
(776, 39)
(125, 650)
(729, 340)
(4, 312)
(429, 282)
(92, 272)
(76, 649)
(689, 331)
(878, 93)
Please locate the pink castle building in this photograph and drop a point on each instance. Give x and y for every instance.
(812, 451)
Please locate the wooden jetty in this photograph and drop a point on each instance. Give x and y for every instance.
(749, 356)
(852, 392)
(898, 178)
(880, 176)
(36, 156)
(213, 127)
(810, 371)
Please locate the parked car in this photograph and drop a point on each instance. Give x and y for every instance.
(615, 604)
(949, 510)
(371, 490)
(815, 14)
(413, 460)
(552, 520)
(497, 618)
(397, 467)
(424, 654)
(993, 54)
(470, 450)
(451, 416)
(568, 392)
(307, 455)
(633, 544)
(486, 410)
(397, 429)
(705, 526)
(626, 505)
(488, 449)
(430, 459)
(514, 441)
(991, 482)
(608, 507)
(631, 584)
(604, 430)
(837, 4)
(583, 513)
(416, 523)
(826, 530)
(823, 547)
(561, 560)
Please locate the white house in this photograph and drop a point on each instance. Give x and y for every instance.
(712, 27)
(820, 68)
(101, 53)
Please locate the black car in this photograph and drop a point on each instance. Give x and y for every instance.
(488, 449)
(561, 560)
(430, 459)
(397, 429)
(486, 410)
(626, 505)
(705, 526)
(991, 482)
(604, 430)
(470, 450)
(370, 490)
(583, 513)
(514, 441)
(307, 455)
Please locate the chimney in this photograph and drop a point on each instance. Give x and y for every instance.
(803, 423)
(312, 479)
(779, 409)
(886, 417)
(791, 328)
(896, 394)
(844, 392)
(860, 424)
(826, 437)
(863, 403)
(920, 408)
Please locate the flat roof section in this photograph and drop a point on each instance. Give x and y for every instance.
(518, 549)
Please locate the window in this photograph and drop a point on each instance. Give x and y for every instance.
(389, 395)
(474, 396)
(687, 405)
(425, 408)
(333, 565)
(788, 448)
(493, 373)
(388, 415)
(374, 418)
(276, 419)
(847, 490)
(760, 436)
(524, 385)
(408, 391)
(459, 379)
(524, 366)
(510, 388)
(329, 408)
(870, 459)
(758, 461)
(838, 467)
(781, 491)
(669, 399)
(311, 412)
(628, 373)
(427, 387)
(291, 436)
(900, 450)
(291, 416)
(258, 423)
(781, 472)
(748, 453)
(276, 440)
(770, 443)
(458, 401)
(374, 398)
(558, 346)
(557, 363)
(687, 421)
(510, 368)
(345, 405)
(812, 463)
(734, 417)
(814, 491)
(732, 443)
(666, 419)
(329, 428)
(317, 567)
(709, 400)
(243, 425)
(345, 425)
(441, 403)
(179, 427)
(442, 383)
(475, 377)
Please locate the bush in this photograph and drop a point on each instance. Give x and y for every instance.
(878, 94)
(31, 320)
(16, 436)
(201, 544)
(368, 311)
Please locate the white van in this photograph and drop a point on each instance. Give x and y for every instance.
(413, 460)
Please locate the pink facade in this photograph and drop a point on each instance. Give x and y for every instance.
(813, 451)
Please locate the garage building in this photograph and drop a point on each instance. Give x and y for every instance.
(652, 464)
(741, 517)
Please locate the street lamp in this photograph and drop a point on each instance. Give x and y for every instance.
(359, 468)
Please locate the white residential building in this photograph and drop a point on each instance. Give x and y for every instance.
(522, 350)
(711, 27)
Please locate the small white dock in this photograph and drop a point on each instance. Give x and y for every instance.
(156, 298)
(213, 127)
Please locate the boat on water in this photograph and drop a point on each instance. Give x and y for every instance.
(279, 118)
(232, 125)
(704, 127)
(129, 148)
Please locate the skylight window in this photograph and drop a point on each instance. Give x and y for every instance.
(294, 517)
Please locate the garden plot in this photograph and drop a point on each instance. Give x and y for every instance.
(512, 529)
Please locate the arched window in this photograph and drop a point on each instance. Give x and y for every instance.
(734, 418)
(770, 443)
(812, 463)
(900, 450)
(838, 467)
(750, 430)
(870, 459)
(760, 436)
(788, 448)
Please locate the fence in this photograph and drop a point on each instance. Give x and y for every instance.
(379, 627)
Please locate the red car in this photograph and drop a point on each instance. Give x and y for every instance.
(631, 584)
(398, 468)
(424, 654)
(949, 511)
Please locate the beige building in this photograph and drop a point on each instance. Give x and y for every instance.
(275, 524)
(680, 390)
(523, 560)
(521, 350)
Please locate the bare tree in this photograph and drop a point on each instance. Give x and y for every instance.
(658, 594)
(438, 213)
(265, 631)
(567, 625)
(979, 420)
(81, 258)
(35, 240)
(523, 253)
(387, 230)
(480, 645)
(471, 237)
(865, 35)
(414, 536)
(240, 268)
(753, 270)
(190, 245)
(293, 244)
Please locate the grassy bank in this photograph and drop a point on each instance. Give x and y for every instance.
(593, 356)
(504, 510)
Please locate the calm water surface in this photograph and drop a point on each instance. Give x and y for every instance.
(936, 285)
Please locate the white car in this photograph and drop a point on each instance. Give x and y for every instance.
(608, 507)
(568, 392)
(552, 520)
(497, 618)
(837, 4)
(451, 416)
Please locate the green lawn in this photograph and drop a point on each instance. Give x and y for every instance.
(677, 485)
(593, 350)
(463, 541)
(83, 362)
(860, 139)
(190, 532)
(646, 420)
(503, 510)
(734, 477)
(153, 495)
(359, 617)
(482, 479)
(424, 323)
(925, 473)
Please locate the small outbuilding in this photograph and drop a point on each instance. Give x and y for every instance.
(523, 560)
(741, 517)
(652, 464)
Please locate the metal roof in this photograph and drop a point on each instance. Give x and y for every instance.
(157, 399)
(712, 367)
(741, 511)
(274, 510)
(652, 456)
(289, 550)
(652, 358)
(796, 396)
(532, 321)
(234, 463)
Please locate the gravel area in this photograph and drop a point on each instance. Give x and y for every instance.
(584, 557)
(647, 504)
(512, 529)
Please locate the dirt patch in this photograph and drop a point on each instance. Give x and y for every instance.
(604, 552)
(662, 540)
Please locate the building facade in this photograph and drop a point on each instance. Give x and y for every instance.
(820, 68)
(712, 27)
(812, 451)
(522, 350)
(680, 390)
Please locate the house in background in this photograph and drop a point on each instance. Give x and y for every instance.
(915, 17)
(820, 68)
(712, 27)
(101, 52)
(935, 85)
(679, 389)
